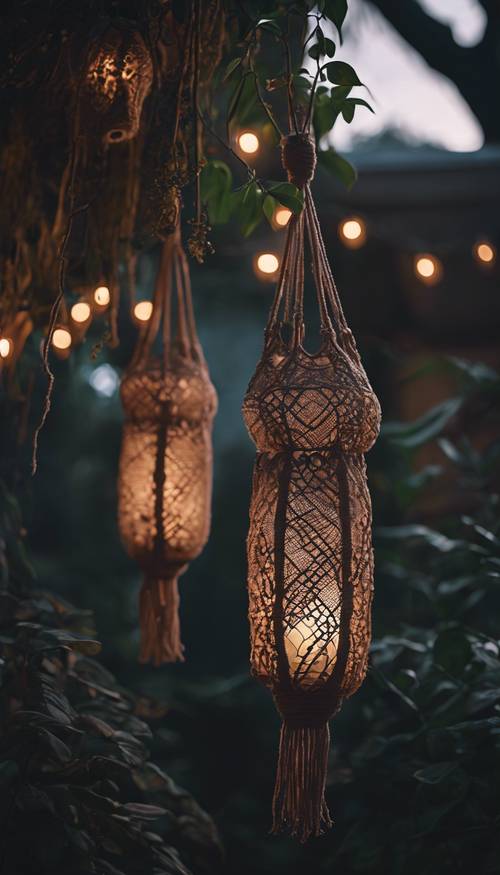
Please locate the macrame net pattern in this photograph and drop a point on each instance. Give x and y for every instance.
(165, 476)
(310, 565)
(118, 79)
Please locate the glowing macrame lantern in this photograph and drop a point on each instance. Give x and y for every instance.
(310, 566)
(118, 79)
(165, 477)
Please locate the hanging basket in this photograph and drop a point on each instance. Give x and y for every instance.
(310, 564)
(165, 476)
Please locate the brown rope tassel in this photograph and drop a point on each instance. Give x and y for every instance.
(159, 621)
(299, 804)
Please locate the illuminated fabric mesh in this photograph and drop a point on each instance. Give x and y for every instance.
(165, 476)
(118, 80)
(310, 565)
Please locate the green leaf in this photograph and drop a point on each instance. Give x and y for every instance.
(288, 195)
(347, 111)
(341, 73)
(436, 773)
(358, 101)
(339, 93)
(215, 183)
(233, 103)
(423, 533)
(270, 25)
(336, 11)
(269, 207)
(61, 638)
(424, 429)
(329, 48)
(452, 650)
(231, 67)
(324, 115)
(247, 206)
(342, 169)
(9, 771)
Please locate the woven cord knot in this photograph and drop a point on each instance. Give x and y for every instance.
(298, 156)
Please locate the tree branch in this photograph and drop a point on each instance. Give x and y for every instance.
(432, 39)
(475, 71)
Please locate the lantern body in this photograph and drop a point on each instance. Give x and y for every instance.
(310, 560)
(310, 534)
(118, 79)
(165, 478)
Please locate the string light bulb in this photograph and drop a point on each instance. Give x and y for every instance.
(61, 338)
(428, 268)
(80, 312)
(282, 216)
(102, 296)
(143, 311)
(266, 265)
(248, 142)
(352, 232)
(5, 347)
(485, 253)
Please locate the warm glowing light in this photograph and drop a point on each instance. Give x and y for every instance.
(143, 310)
(428, 268)
(102, 296)
(282, 216)
(5, 347)
(80, 312)
(248, 142)
(308, 658)
(267, 263)
(485, 252)
(61, 338)
(352, 232)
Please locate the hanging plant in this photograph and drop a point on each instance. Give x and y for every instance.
(310, 566)
(165, 478)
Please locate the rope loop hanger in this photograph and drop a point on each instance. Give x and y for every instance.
(298, 153)
(310, 563)
(165, 476)
(173, 270)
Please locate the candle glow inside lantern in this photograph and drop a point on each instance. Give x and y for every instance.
(165, 475)
(310, 564)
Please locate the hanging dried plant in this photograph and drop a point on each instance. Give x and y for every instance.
(310, 577)
(165, 479)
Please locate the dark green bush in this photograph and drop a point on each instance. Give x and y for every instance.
(78, 793)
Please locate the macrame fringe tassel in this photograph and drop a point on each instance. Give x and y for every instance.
(159, 621)
(299, 805)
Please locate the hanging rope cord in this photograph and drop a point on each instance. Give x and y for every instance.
(299, 160)
(173, 271)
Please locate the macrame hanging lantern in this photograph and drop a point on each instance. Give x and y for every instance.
(310, 565)
(165, 474)
(118, 79)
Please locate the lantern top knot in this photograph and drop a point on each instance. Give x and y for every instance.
(298, 156)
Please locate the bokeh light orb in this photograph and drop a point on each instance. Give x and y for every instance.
(61, 338)
(102, 296)
(248, 142)
(80, 312)
(428, 268)
(352, 232)
(143, 311)
(267, 264)
(5, 347)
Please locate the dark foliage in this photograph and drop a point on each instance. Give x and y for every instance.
(78, 793)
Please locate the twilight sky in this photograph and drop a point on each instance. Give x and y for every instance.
(407, 94)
